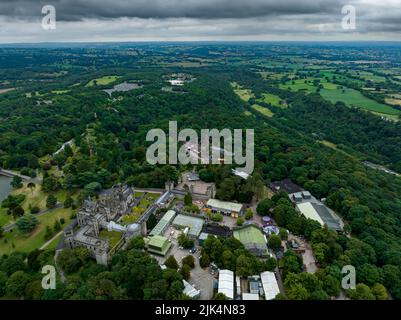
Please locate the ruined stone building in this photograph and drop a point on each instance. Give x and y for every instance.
(94, 216)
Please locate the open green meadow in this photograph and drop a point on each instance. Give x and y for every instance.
(353, 97)
(102, 81)
(263, 110)
(273, 100)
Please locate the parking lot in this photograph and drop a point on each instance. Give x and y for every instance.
(200, 278)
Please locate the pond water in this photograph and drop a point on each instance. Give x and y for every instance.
(122, 87)
(5, 187)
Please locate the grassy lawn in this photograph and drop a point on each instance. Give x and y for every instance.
(15, 241)
(141, 207)
(5, 219)
(263, 110)
(54, 243)
(36, 197)
(102, 81)
(154, 196)
(273, 100)
(244, 94)
(112, 236)
(138, 194)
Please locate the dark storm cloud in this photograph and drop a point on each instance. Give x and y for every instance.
(72, 10)
(141, 20)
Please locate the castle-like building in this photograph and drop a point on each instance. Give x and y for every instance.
(94, 216)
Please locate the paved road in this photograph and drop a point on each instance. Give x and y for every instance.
(10, 173)
(12, 225)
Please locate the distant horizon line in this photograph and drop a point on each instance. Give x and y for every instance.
(196, 41)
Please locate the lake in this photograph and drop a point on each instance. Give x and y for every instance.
(5, 187)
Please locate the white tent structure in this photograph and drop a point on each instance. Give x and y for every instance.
(226, 283)
(270, 285)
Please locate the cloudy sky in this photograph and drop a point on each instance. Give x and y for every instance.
(185, 20)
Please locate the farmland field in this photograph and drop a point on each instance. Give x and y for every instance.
(244, 94)
(263, 110)
(273, 100)
(353, 97)
(102, 81)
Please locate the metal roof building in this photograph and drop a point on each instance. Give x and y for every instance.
(226, 283)
(320, 213)
(194, 224)
(252, 238)
(163, 223)
(190, 291)
(224, 206)
(270, 286)
(250, 296)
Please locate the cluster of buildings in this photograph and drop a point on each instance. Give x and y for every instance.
(308, 205)
(263, 286)
(314, 209)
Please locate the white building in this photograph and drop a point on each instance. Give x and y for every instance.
(226, 283)
(250, 296)
(270, 285)
(190, 291)
(225, 207)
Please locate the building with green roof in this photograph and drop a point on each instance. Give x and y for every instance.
(253, 239)
(162, 225)
(158, 245)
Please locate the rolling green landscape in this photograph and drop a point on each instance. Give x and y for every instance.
(326, 119)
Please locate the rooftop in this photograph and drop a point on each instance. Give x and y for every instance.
(194, 224)
(224, 205)
(164, 221)
(270, 286)
(226, 283)
(190, 291)
(249, 234)
(320, 213)
(285, 185)
(252, 238)
(250, 296)
(158, 244)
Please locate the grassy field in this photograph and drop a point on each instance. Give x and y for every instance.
(4, 217)
(334, 93)
(273, 100)
(353, 97)
(244, 94)
(112, 236)
(35, 197)
(15, 241)
(299, 84)
(263, 110)
(102, 81)
(60, 91)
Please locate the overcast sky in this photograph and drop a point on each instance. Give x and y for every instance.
(185, 20)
